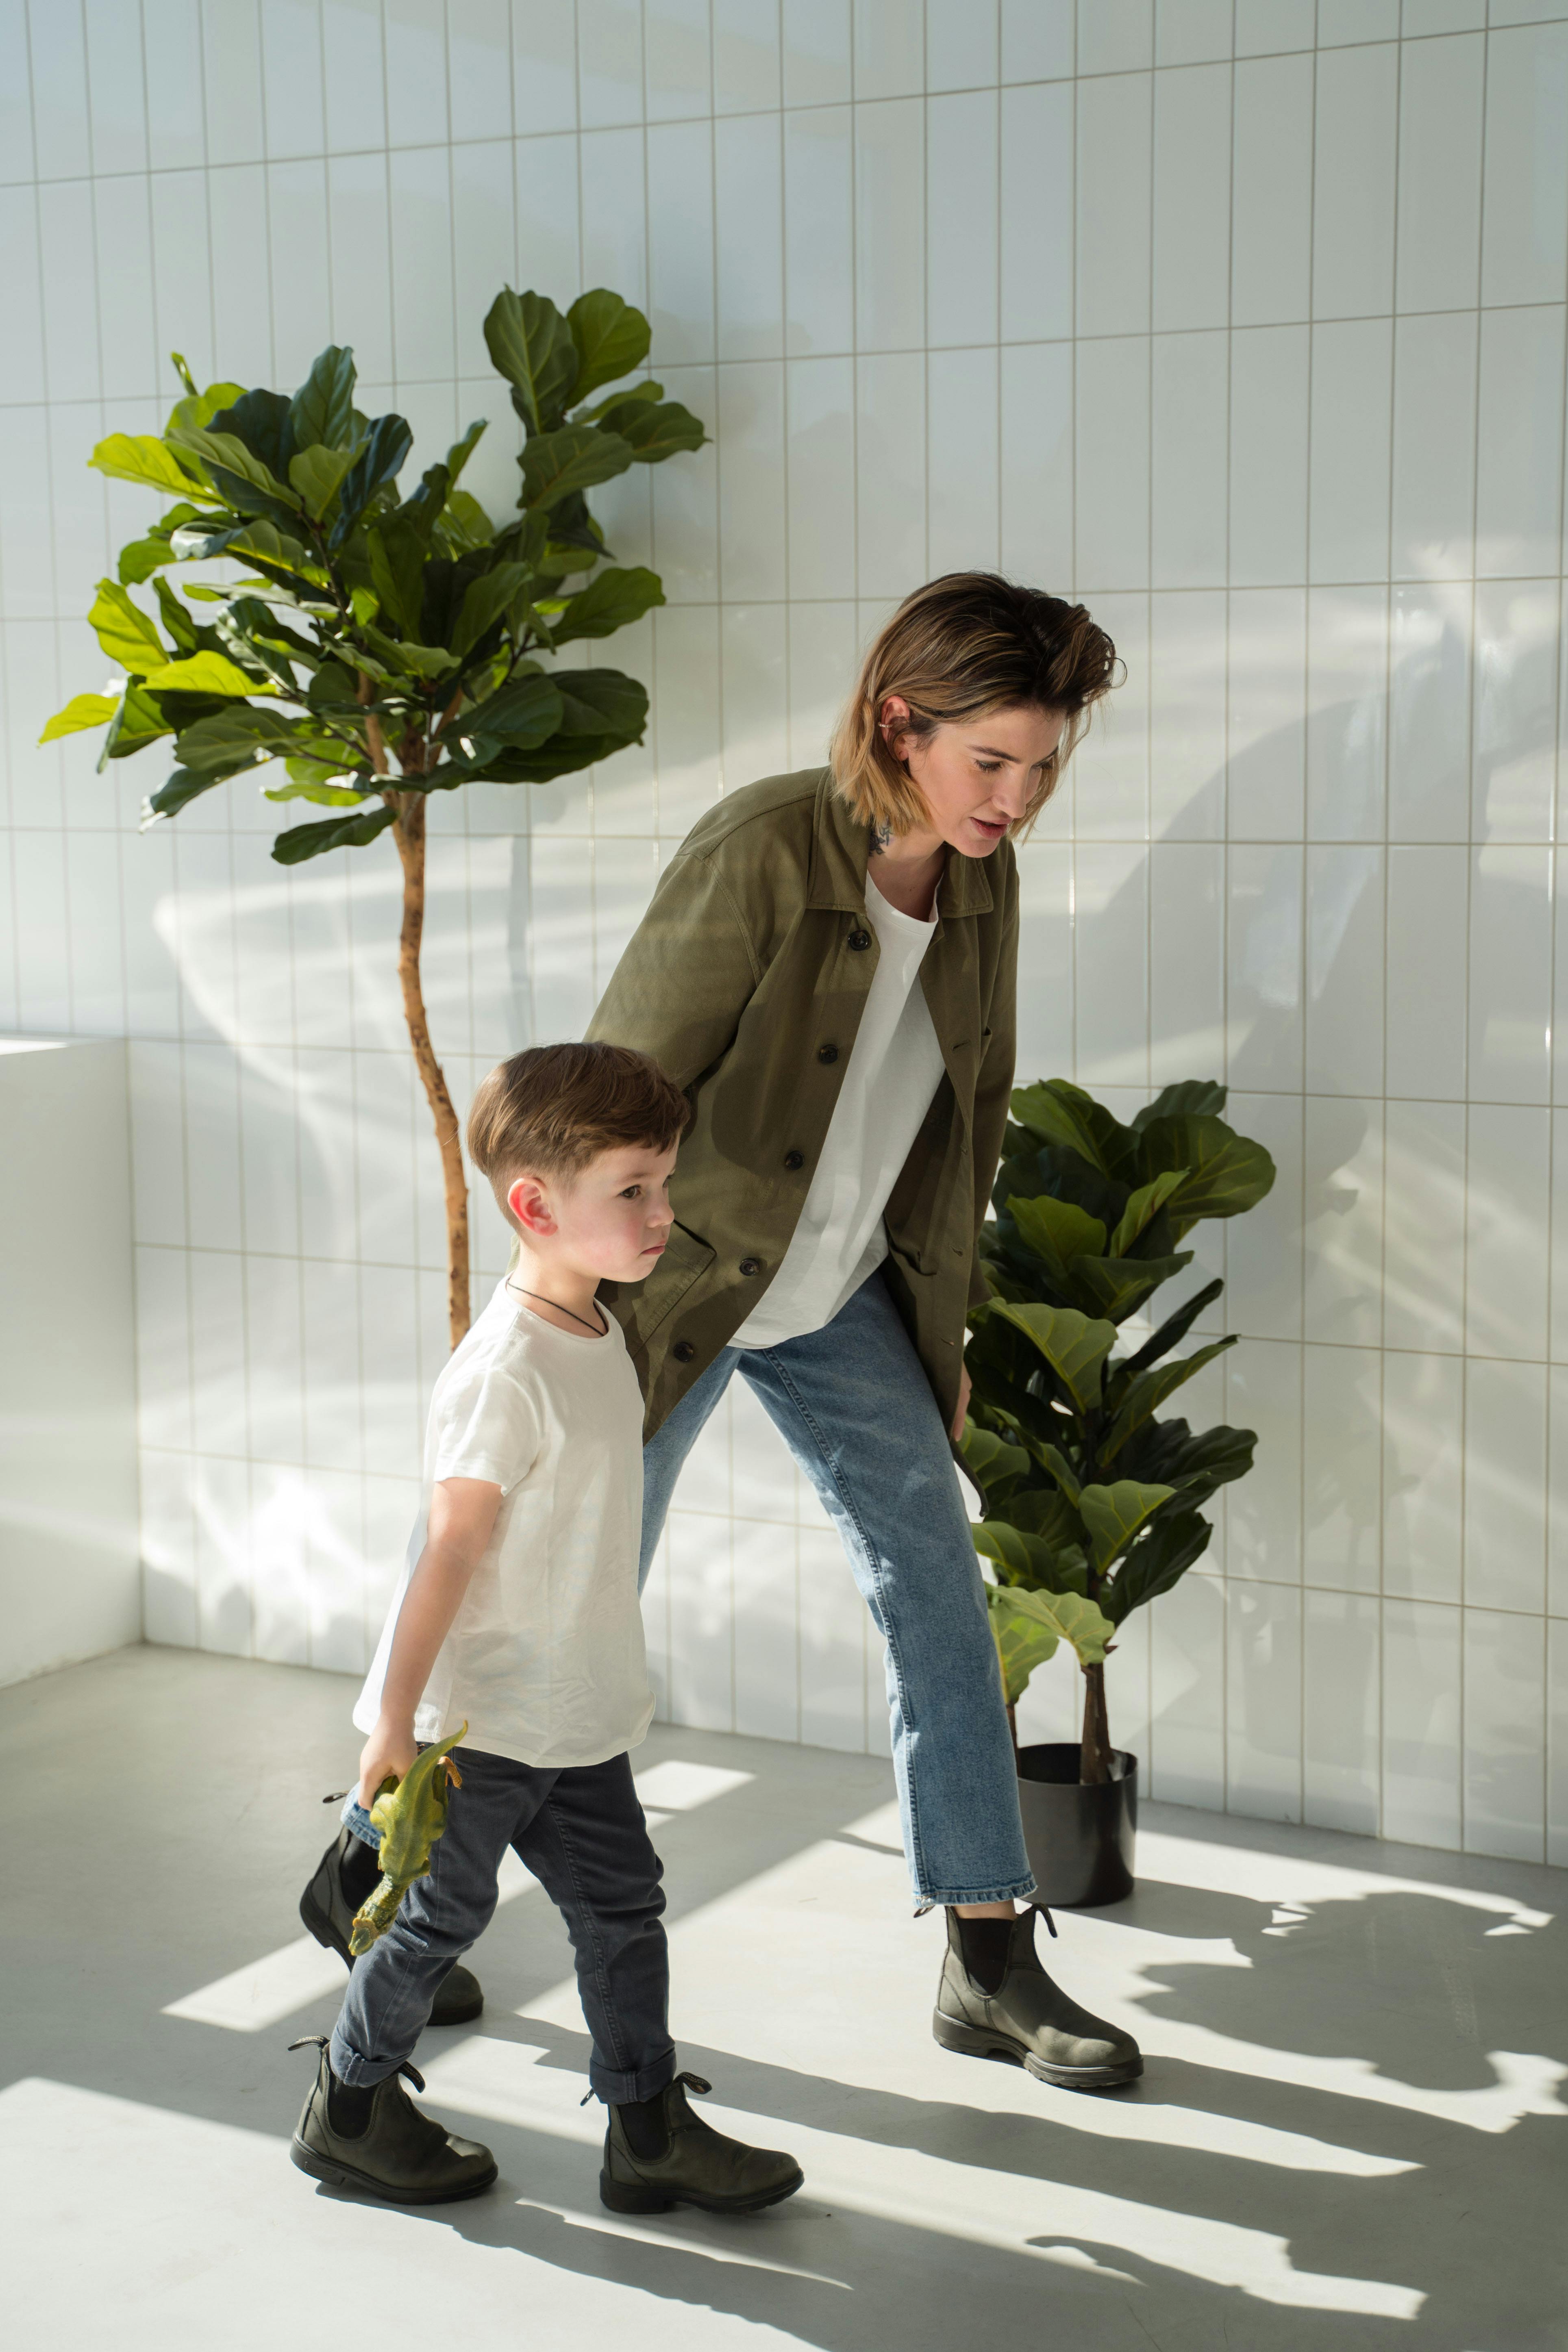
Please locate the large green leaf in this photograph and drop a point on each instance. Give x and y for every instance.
(140, 720)
(242, 477)
(465, 523)
(1174, 1329)
(604, 702)
(315, 473)
(202, 673)
(1045, 1511)
(184, 787)
(124, 631)
(1057, 1233)
(1114, 1513)
(1147, 1391)
(1141, 1209)
(653, 430)
(85, 710)
(1053, 1616)
(323, 410)
(263, 423)
(201, 407)
(1073, 1345)
(574, 459)
(1189, 1098)
(1155, 1562)
(1168, 1451)
(1029, 1561)
(302, 840)
(485, 601)
(235, 739)
(519, 716)
(396, 546)
(612, 599)
(1119, 1286)
(532, 345)
(459, 453)
(990, 1460)
(610, 336)
(143, 457)
(1023, 1641)
(380, 459)
(1227, 1173)
(1062, 1114)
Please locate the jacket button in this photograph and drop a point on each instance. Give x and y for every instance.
(683, 1350)
(828, 1053)
(858, 940)
(751, 1265)
(795, 1160)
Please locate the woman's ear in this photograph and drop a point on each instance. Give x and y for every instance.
(893, 719)
(530, 1204)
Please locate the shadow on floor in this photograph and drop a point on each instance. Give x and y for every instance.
(161, 1838)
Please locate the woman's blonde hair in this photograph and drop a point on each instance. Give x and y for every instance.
(967, 643)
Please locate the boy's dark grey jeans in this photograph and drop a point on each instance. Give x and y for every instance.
(580, 1832)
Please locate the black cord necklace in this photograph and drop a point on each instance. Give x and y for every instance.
(598, 1330)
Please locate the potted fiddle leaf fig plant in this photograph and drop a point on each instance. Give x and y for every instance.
(380, 647)
(1091, 1505)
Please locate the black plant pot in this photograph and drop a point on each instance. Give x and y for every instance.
(1079, 1840)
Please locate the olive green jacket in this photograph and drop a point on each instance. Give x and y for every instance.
(746, 978)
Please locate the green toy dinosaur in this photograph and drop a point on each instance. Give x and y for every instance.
(411, 1814)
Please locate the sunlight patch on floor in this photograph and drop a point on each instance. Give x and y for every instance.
(810, 1922)
(1010, 2212)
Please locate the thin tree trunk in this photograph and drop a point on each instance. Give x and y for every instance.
(1094, 1764)
(408, 832)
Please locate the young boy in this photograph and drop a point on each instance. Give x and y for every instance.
(518, 1614)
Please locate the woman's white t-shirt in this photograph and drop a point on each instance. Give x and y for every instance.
(894, 1068)
(545, 1657)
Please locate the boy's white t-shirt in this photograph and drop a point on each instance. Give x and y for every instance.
(545, 1657)
(894, 1068)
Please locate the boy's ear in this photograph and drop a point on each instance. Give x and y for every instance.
(530, 1205)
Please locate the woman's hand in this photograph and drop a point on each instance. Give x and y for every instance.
(390, 1749)
(962, 1415)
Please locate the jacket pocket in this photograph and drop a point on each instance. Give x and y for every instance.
(685, 1259)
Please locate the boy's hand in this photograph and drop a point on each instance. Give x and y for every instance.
(390, 1749)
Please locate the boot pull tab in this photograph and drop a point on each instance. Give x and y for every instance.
(310, 2041)
(415, 2077)
(1050, 1923)
(695, 2082)
(336, 1797)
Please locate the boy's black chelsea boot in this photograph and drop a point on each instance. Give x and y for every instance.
(689, 2163)
(343, 1877)
(379, 2142)
(995, 2000)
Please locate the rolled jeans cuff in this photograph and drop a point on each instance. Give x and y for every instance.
(355, 1817)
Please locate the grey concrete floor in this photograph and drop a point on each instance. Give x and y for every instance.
(1350, 2133)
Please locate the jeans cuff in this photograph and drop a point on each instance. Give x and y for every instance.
(355, 1818)
(362, 2074)
(1019, 1892)
(621, 2088)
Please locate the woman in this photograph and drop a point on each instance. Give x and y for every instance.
(828, 1194)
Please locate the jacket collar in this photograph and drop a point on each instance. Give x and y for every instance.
(841, 844)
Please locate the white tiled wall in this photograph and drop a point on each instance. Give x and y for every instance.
(1241, 319)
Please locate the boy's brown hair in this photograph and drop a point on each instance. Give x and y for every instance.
(552, 1109)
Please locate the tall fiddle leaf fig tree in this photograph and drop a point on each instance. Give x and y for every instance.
(380, 645)
(1092, 1507)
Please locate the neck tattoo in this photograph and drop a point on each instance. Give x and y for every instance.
(598, 1330)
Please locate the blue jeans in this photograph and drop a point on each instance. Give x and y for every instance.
(580, 1832)
(856, 1411)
